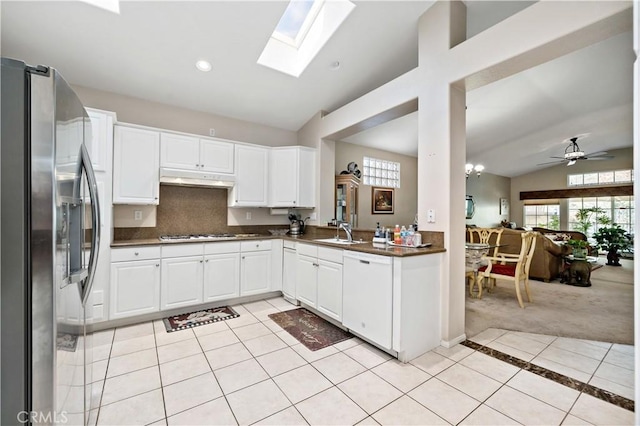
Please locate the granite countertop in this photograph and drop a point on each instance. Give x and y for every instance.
(366, 247)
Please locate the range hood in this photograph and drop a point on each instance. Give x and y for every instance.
(169, 176)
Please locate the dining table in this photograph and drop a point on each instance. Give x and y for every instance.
(473, 260)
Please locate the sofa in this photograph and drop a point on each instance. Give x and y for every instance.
(547, 261)
(566, 235)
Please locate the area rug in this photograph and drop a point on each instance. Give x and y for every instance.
(309, 329)
(197, 318)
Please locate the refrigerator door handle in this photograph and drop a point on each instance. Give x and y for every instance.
(95, 223)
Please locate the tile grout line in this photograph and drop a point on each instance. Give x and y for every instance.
(570, 382)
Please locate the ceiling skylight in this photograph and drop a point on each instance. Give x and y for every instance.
(296, 21)
(302, 31)
(110, 5)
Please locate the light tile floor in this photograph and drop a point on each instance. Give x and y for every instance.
(249, 371)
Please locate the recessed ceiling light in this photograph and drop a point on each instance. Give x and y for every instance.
(334, 65)
(203, 65)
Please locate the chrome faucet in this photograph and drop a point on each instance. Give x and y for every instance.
(347, 229)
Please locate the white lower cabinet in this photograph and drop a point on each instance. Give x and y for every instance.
(306, 280)
(367, 296)
(319, 279)
(221, 276)
(255, 267)
(289, 261)
(330, 289)
(135, 284)
(181, 283)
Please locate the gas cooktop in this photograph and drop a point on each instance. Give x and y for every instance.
(185, 237)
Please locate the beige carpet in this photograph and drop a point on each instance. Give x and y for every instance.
(601, 312)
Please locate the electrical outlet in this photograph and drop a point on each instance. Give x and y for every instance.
(248, 215)
(431, 216)
(137, 215)
(212, 132)
(313, 216)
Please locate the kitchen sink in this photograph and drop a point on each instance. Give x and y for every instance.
(337, 241)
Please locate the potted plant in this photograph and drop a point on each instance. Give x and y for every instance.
(579, 248)
(613, 239)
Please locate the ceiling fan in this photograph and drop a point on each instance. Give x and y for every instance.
(573, 153)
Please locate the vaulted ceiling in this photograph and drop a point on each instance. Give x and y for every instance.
(149, 51)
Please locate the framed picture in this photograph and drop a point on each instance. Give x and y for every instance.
(504, 206)
(382, 200)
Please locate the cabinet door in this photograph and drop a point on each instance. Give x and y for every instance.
(255, 274)
(306, 280)
(330, 289)
(99, 145)
(251, 177)
(367, 298)
(221, 276)
(216, 156)
(135, 288)
(289, 273)
(283, 177)
(136, 164)
(179, 152)
(306, 177)
(181, 283)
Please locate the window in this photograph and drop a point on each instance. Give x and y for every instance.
(600, 178)
(543, 216)
(381, 173)
(615, 209)
(303, 29)
(296, 21)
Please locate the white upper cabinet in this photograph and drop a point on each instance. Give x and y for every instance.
(252, 168)
(179, 152)
(99, 145)
(292, 177)
(216, 156)
(136, 165)
(192, 153)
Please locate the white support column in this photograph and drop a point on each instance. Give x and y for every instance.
(441, 158)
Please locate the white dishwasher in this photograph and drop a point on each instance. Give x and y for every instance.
(367, 296)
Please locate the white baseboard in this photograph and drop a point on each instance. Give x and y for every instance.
(453, 342)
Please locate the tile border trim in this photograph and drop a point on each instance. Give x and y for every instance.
(596, 392)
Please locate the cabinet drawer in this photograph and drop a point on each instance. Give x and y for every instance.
(178, 250)
(289, 244)
(134, 253)
(255, 245)
(330, 254)
(307, 249)
(219, 248)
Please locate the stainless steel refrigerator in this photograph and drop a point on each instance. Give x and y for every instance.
(49, 231)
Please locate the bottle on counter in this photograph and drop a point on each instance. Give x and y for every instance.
(397, 238)
(378, 232)
(403, 235)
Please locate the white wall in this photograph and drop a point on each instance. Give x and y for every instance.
(154, 114)
(405, 198)
(487, 190)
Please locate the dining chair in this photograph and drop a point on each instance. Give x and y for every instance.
(481, 236)
(512, 267)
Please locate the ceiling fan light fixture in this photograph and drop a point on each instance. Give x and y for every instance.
(469, 168)
(571, 162)
(203, 65)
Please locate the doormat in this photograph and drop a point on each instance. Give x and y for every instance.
(309, 329)
(197, 318)
(66, 342)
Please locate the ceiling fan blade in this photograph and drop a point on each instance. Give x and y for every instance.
(604, 157)
(553, 156)
(596, 154)
(550, 162)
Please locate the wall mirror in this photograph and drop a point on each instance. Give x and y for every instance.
(470, 206)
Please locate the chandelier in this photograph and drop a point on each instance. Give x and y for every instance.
(469, 168)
